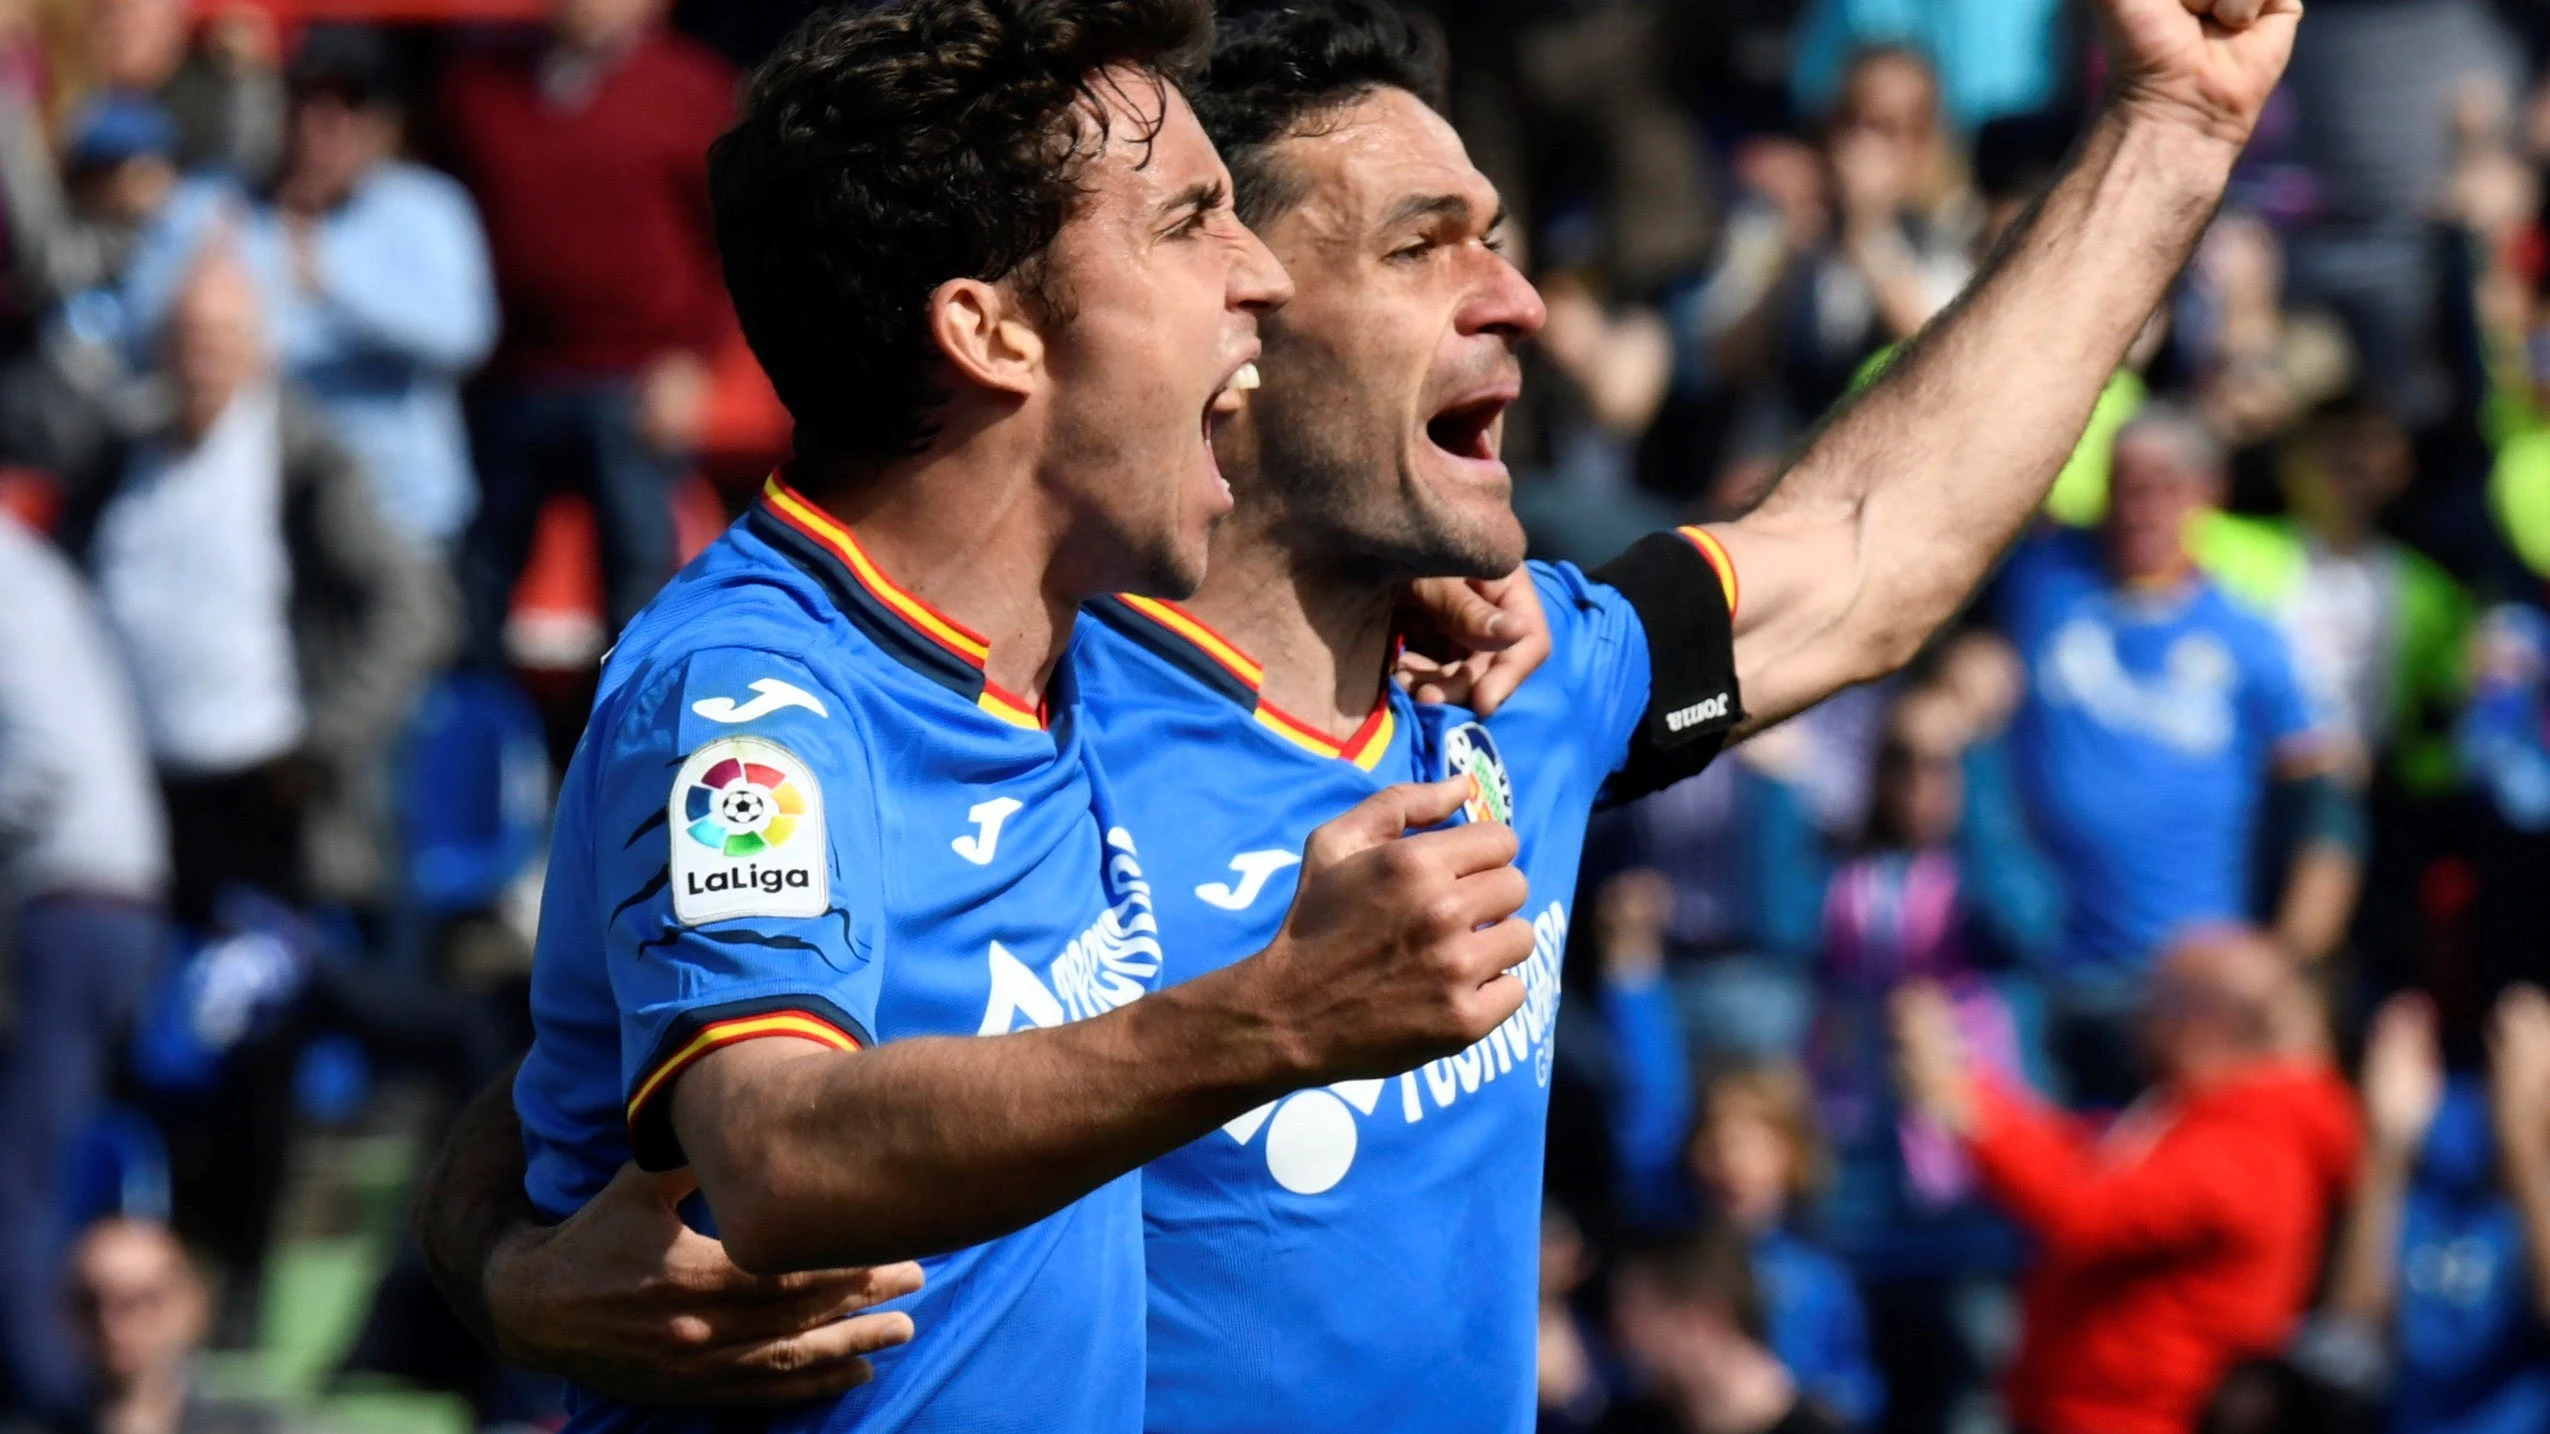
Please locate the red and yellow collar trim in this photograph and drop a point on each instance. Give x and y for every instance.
(943, 632)
(1364, 748)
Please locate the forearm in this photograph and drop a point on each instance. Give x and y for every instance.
(811, 1157)
(1900, 507)
(470, 1199)
(2319, 900)
(2360, 1284)
(2527, 1172)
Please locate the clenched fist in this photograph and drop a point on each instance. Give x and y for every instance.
(2207, 64)
(1399, 947)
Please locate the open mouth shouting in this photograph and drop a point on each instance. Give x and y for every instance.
(1226, 403)
(1469, 431)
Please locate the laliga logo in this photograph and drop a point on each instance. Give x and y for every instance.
(748, 835)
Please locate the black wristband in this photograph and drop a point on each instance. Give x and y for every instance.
(1686, 604)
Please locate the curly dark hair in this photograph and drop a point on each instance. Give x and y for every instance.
(882, 152)
(1277, 71)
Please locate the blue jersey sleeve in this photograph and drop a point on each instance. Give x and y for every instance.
(1598, 652)
(742, 900)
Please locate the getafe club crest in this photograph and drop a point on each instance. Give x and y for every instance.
(1469, 749)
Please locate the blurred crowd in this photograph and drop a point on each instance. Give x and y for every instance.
(2123, 1020)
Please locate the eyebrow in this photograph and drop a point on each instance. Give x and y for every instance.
(1201, 197)
(1426, 206)
(1438, 206)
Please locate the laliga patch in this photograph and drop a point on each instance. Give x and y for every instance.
(746, 821)
(1468, 749)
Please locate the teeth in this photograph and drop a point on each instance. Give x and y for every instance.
(1245, 379)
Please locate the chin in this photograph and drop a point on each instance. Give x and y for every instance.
(1173, 568)
(1475, 538)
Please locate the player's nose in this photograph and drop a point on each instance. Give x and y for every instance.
(1505, 304)
(1259, 283)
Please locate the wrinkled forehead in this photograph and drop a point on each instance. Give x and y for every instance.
(1362, 165)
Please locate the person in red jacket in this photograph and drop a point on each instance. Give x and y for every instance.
(587, 151)
(2185, 1237)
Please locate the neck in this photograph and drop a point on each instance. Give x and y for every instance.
(2163, 580)
(2341, 532)
(151, 1404)
(1321, 632)
(982, 542)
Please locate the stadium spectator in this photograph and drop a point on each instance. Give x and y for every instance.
(1943, 887)
(601, 378)
(2444, 1262)
(83, 860)
(224, 94)
(1995, 59)
(1759, 1159)
(2379, 633)
(1728, 845)
(373, 274)
(2374, 85)
(2188, 1235)
(1753, 1154)
(1575, 1374)
(74, 227)
(2158, 713)
(1689, 1319)
(1839, 254)
(143, 1312)
(277, 629)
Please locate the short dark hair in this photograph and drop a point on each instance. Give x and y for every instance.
(1277, 71)
(1712, 1265)
(882, 152)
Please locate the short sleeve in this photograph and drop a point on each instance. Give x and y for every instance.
(1676, 592)
(738, 865)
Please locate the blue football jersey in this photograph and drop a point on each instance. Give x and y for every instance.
(1365, 1255)
(799, 809)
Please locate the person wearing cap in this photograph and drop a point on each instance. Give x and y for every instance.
(72, 225)
(373, 272)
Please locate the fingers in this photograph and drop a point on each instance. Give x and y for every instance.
(1504, 672)
(1487, 897)
(755, 1315)
(848, 1291)
(1463, 850)
(1500, 947)
(1467, 618)
(1385, 816)
(809, 1364)
(2232, 14)
(1427, 680)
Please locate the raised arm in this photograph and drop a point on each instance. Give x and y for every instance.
(1397, 950)
(2403, 1086)
(1898, 510)
(2519, 1101)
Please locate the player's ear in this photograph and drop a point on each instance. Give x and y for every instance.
(987, 334)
